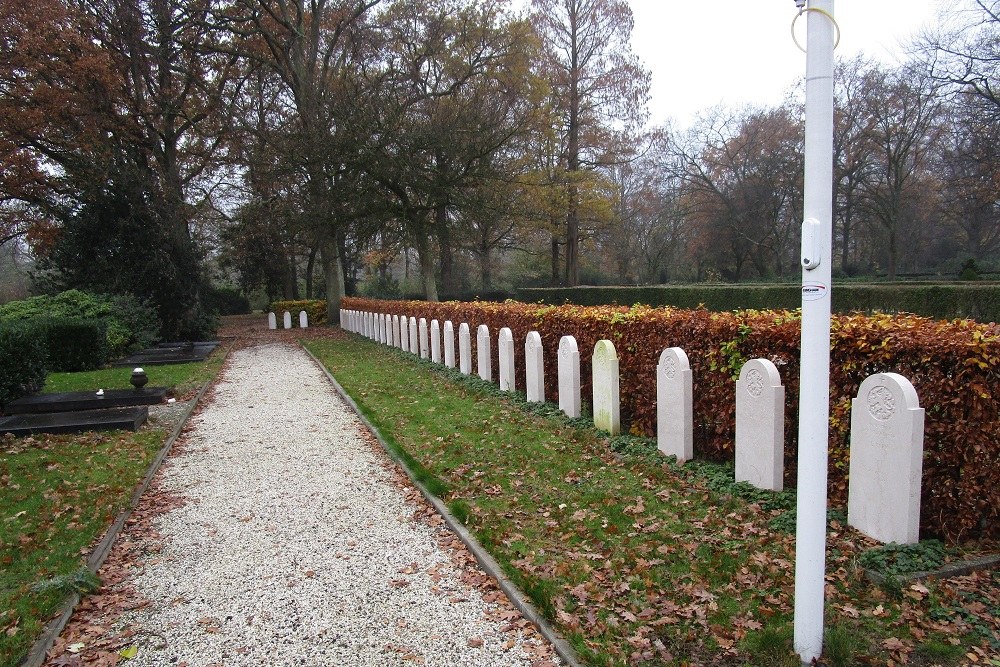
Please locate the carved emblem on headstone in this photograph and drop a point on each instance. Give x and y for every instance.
(755, 383)
(881, 404)
(670, 367)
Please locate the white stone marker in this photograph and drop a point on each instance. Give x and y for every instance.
(449, 344)
(380, 327)
(272, 321)
(404, 333)
(569, 376)
(604, 372)
(887, 451)
(424, 343)
(413, 335)
(505, 350)
(464, 349)
(303, 320)
(534, 367)
(395, 332)
(287, 320)
(435, 341)
(369, 326)
(484, 353)
(674, 405)
(760, 426)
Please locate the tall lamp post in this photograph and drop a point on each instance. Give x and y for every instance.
(814, 378)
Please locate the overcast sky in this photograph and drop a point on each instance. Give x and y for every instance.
(706, 52)
(741, 51)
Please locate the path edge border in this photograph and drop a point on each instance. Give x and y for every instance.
(40, 648)
(485, 560)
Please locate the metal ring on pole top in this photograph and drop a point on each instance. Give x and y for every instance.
(803, 10)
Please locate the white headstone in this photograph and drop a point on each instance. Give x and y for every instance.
(569, 376)
(413, 335)
(435, 341)
(505, 351)
(380, 328)
(424, 342)
(760, 425)
(272, 321)
(534, 367)
(604, 372)
(369, 326)
(887, 451)
(674, 405)
(303, 320)
(464, 349)
(484, 353)
(404, 333)
(396, 342)
(449, 344)
(288, 320)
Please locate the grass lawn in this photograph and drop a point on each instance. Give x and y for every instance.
(60, 493)
(637, 560)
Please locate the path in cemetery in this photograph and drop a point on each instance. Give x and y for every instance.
(299, 543)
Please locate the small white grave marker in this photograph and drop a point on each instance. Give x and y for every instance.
(674, 405)
(505, 350)
(435, 342)
(396, 340)
(303, 320)
(534, 367)
(288, 320)
(604, 372)
(424, 343)
(272, 321)
(760, 425)
(569, 376)
(413, 335)
(464, 349)
(887, 451)
(449, 344)
(484, 353)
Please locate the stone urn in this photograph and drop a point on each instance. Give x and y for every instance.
(138, 379)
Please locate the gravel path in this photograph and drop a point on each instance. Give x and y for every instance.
(297, 544)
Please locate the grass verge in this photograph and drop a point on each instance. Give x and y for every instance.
(59, 494)
(637, 560)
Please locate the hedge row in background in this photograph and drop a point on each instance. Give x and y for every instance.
(130, 324)
(955, 367)
(942, 301)
(72, 343)
(315, 309)
(22, 360)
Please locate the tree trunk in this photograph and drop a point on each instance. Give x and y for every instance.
(309, 271)
(556, 266)
(485, 269)
(426, 258)
(447, 258)
(893, 251)
(333, 274)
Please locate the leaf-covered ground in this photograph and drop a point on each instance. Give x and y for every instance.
(637, 560)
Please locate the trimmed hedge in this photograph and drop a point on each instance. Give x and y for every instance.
(942, 301)
(225, 301)
(73, 343)
(22, 360)
(955, 367)
(315, 309)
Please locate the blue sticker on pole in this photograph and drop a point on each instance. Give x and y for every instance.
(813, 291)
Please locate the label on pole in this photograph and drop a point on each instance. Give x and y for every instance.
(813, 291)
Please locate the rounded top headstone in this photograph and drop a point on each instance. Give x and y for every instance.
(506, 335)
(534, 339)
(567, 346)
(885, 394)
(672, 361)
(757, 374)
(605, 351)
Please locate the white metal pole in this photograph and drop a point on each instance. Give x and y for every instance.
(814, 374)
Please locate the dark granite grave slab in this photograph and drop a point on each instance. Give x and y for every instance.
(86, 400)
(200, 343)
(159, 356)
(129, 419)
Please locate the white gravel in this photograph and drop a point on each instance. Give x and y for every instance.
(295, 546)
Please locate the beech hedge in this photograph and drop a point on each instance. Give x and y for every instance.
(22, 359)
(954, 366)
(943, 301)
(315, 309)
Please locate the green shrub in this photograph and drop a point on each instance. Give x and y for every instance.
(225, 301)
(130, 324)
(22, 360)
(73, 343)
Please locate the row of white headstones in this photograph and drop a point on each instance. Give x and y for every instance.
(887, 423)
(272, 320)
